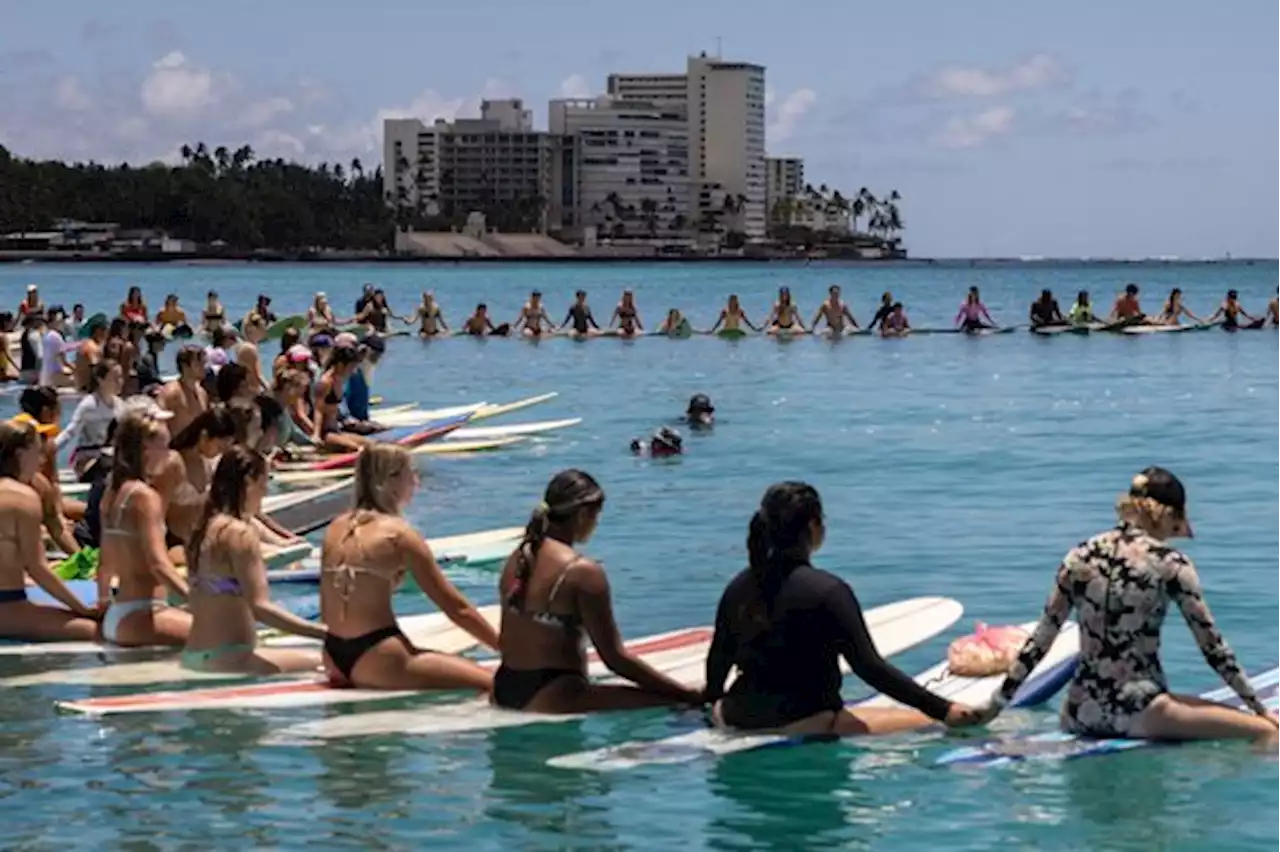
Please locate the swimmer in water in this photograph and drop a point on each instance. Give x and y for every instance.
(785, 316)
(732, 316)
(886, 308)
(835, 312)
(579, 314)
(1127, 310)
(626, 317)
(972, 313)
(429, 317)
(1230, 311)
(700, 414)
(1081, 312)
(1174, 309)
(1123, 581)
(665, 442)
(533, 319)
(1045, 311)
(896, 323)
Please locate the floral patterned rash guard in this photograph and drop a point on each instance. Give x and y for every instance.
(1121, 582)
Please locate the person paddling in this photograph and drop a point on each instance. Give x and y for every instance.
(784, 623)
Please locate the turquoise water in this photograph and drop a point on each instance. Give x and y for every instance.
(954, 466)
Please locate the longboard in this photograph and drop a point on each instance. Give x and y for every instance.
(478, 411)
(718, 742)
(407, 436)
(478, 548)
(1059, 745)
(313, 692)
(488, 433)
(896, 627)
(433, 630)
(293, 474)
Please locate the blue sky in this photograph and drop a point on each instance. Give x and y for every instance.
(1011, 128)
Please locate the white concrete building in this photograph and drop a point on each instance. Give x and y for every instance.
(784, 178)
(654, 88)
(624, 168)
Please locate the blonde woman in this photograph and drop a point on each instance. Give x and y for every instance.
(229, 590)
(1122, 582)
(365, 555)
(320, 315)
(626, 317)
(133, 546)
(22, 550)
(429, 317)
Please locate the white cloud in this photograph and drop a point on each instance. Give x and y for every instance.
(496, 89)
(176, 89)
(1035, 72)
(974, 130)
(264, 111)
(788, 114)
(277, 143)
(70, 94)
(575, 86)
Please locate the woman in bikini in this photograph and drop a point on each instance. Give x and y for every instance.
(1122, 582)
(533, 321)
(183, 481)
(731, 317)
(133, 547)
(320, 315)
(327, 417)
(626, 317)
(1230, 312)
(1174, 310)
(133, 309)
(554, 598)
(365, 555)
(970, 318)
(214, 316)
(675, 325)
(429, 317)
(22, 552)
(229, 590)
(784, 319)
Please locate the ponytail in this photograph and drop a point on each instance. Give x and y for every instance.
(568, 495)
(778, 541)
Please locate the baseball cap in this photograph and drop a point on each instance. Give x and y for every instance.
(298, 354)
(320, 340)
(346, 338)
(145, 406)
(44, 429)
(216, 357)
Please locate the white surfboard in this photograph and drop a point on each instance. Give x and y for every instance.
(1048, 677)
(313, 692)
(1154, 329)
(487, 433)
(479, 412)
(895, 627)
(393, 416)
(432, 630)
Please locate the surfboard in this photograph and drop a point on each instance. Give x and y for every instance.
(301, 512)
(484, 412)
(276, 330)
(412, 416)
(988, 332)
(731, 334)
(1054, 330)
(295, 476)
(313, 692)
(1155, 329)
(1047, 679)
(418, 436)
(895, 627)
(1059, 745)
(487, 433)
(478, 411)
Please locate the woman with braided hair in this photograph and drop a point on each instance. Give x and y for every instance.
(553, 597)
(363, 559)
(1122, 582)
(784, 623)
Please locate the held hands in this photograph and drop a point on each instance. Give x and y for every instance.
(963, 716)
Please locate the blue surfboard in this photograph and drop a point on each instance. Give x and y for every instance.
(1059, 745)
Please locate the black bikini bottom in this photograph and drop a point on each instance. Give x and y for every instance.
(753, 712)
(515, 688)
(345, 652)
(13, 596)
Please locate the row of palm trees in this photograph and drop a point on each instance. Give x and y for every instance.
(883, 216)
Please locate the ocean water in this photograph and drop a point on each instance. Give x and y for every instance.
(948, 465)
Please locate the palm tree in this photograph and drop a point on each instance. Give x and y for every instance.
(223, 158)
(650, 209)
(357, 168)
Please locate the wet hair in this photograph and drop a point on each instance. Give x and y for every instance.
(215, 422)
(1233, 294)
(482, 307)
(229, 379)
(778, 540)
(189, 354)
(132, 433)
(1153, 494)
(580, 294)
(236, 469)
(569, 494)
(100, 371)
(35, 400)
(14, 438)
(1046, 294)
(291, 337)
(1131, 289)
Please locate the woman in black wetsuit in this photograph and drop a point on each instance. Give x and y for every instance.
(784, 624)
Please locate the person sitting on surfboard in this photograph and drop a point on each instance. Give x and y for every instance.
(327, 402)
(22, 549)
(31, 303)
(665, 442)
(533, 320)
(1230, 311)
(886, 308)
(172, 319)
(134, 308)
(185, 397)
(675, 325)
(429, 317)
(229, 589)
(835, 312)
(1045, 311)
(376, 312)
(1174, 310)
(214, 316)
(1127, 310)
(263, 309)
(364, 557)
(731, 317)
(1122, 582)
(700, 414)
(626, 317)
(320, 315)
(479, 324)
(895, 323)
(1273, 310)
(785, 316)
(972, 313)
(580, 316)
(553, 599)
(1081, 312)
(784, 623)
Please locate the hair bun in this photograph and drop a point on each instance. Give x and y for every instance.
(1138, 487)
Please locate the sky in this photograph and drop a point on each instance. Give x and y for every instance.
(1137, 129)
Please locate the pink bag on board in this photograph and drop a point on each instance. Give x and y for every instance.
(987, 652)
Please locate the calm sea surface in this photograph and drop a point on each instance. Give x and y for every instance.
(948, 465)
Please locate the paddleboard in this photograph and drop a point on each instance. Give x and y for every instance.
(313, 692)
(276, 330)
(1047, 679)
(1054, 330)
(731, 334)
(1155, 329)
(487, 433)
(987, 332)
(1059, 745)
(433, 630)
(895, 627)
